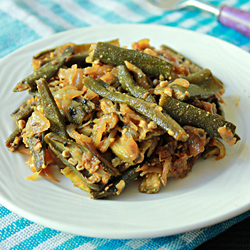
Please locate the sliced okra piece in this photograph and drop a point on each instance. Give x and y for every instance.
(23, 112)
(150, 184)
(205, 79)
(150, 110)
(108, 167)
(61, 149)
(57, 51)
(128, 84)
(116, 186)
(88, 107)
(187, 114)
(149, 64)
(47, 71)
(106, 85)
(191, 92)
(78, 59)
(37, 146)
(80, 53)
(202, 86)
(77, 112)
(65, 145)
(52, 113)
(14, 140)
(75, 179)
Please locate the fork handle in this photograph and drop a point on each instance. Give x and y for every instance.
(236, 19)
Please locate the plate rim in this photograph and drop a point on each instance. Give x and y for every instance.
(18, 210)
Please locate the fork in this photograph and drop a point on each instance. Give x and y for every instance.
(228, 16)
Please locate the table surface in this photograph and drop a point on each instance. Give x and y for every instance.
(25, 21)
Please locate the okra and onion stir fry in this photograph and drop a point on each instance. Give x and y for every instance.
(107, 115)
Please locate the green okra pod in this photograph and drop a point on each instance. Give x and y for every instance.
(106, 85)
(187, 114)
(202, 86)
(128, 84)
(47, 71)
(191, 92)
(149, 64)
(78, 59)
(81, 51)
(52, 113)
(205, 79)
(23, 112)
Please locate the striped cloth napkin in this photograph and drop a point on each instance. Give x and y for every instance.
(25, 21)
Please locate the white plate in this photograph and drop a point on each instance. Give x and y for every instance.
(214, 191)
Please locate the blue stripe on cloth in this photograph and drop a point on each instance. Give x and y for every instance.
(108, 15)
(137, 9)
(74, 243)
(170, 18)
(98, 243)
(102, 243)
(138, 244)
(22, 15)
(4, 211)
(143, 9)
(62, 13)
(114, 244)
(36, 239)
(45, 18)
(120, 12)
(192, 22)
(14, 228)
(158, 243)
(80, 13)
(16, 37)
